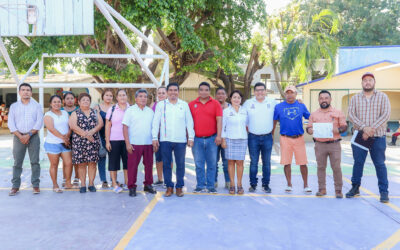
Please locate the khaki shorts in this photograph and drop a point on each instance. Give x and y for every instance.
(290, 146)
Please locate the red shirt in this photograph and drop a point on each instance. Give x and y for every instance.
(205, 116)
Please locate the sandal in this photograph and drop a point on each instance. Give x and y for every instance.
(240, 190)
(232, 190)
(57, 190)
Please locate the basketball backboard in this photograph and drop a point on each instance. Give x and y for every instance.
(46, 17)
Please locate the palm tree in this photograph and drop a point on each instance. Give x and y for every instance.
(315, 40)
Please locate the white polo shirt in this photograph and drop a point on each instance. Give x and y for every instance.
(260, 115)
(234, 123)
(139, 122)
(172, 121)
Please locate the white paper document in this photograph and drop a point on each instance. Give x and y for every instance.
(323, 130)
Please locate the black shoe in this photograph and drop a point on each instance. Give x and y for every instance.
(252, 188)
(82, 190)
(92, 189)
(158, 183)
(266, 189)
(354, 191)
(149, 189)
(384, 197)
(132, 192)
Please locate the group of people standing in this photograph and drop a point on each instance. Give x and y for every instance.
(212, 128)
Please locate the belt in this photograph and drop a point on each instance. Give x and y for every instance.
(338, 140)
(205, 137)
(292, 136)
(261, 135)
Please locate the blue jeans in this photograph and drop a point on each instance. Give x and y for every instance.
(101, 164)
(205, 151)
(260, 144)
(179, 153)
(377, 153)
(221, 154)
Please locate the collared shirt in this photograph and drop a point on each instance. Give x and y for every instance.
(205, 116)
(290, 117)
(370, 112)
(25, 117)
(116, 133)
(172, 121)
(139, 123)
(60, 123)
(329, 115)
(234, 123)
(261, 115)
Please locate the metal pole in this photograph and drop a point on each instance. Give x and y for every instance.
(41, 102)
(117, 29)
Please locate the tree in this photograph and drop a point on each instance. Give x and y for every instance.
(367, 22)
(199, 36)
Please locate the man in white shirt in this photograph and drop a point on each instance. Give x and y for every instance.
(174, 122)
(25, 120)
(137, 124)
(260, 124)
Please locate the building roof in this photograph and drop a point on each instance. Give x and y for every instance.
(346, 72)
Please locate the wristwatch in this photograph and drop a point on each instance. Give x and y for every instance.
(30, 133)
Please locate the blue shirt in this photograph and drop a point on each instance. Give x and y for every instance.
(290, 117)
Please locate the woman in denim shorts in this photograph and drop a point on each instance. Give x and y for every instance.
(57, 143)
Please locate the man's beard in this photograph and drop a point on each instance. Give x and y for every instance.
(324, 105)
(368, 89)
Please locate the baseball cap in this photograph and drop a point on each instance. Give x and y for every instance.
(367, 74)
(291, 87)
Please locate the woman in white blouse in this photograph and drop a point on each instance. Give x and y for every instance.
(234, 137)
(57, 143)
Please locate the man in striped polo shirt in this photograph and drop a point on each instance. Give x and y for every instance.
(369, 112)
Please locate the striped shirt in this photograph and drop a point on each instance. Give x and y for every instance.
(370, 112)
(25, 117)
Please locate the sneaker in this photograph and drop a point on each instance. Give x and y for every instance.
(149, 189)
(252, 188)
(132, 192)
(92, 189)
(227, 184)
(307, 190)
(216, 184)
(118, 189)
(158, 183)
(288, 189)
(105, 185)
(354, 191)
(266, 189)
(199, 190)
(82, 190)
(384, 197)
(125, 187)
(164, 186)
(391, 144)
(212, 191)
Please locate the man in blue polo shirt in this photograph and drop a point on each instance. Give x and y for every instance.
(290, 115)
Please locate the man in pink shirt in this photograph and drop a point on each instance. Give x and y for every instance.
(325, 147)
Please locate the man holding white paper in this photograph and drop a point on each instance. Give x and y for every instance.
(369, 112)
(326, 124)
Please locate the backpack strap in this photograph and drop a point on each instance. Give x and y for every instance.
(112, 112)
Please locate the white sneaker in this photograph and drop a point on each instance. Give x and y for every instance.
(117, 189)
(307, 190)
(125, 187)
(288, 189)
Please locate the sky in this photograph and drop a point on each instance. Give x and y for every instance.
(273, 5)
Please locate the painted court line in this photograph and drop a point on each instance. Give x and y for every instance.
(394, 239)
(138, 223)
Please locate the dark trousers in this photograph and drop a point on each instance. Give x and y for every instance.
(145, 151)
(260, 144)
(378, 157)
(19, 151)
(179, 150)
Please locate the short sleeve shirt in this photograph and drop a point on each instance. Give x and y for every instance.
(290, 117)
(329, 115)
(205, 116)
